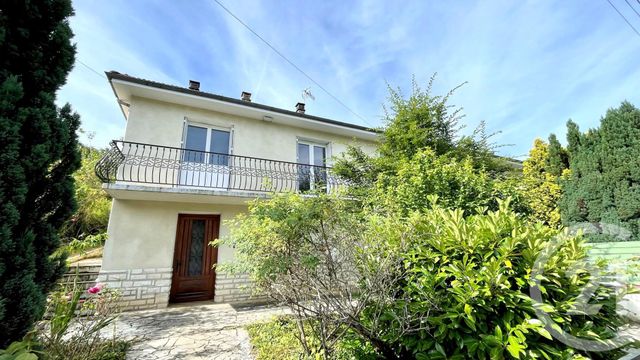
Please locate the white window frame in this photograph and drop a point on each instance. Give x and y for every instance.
(189, 175)
(311, 144)
(209, 127)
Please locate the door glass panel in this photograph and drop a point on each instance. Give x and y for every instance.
(304, 181)
(196, 248)
(220, 146)
(196, 140)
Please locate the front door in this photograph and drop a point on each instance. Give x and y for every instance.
(193, 273)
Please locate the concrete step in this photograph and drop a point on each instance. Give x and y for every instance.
(84, 273)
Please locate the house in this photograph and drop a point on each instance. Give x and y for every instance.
(188, 161)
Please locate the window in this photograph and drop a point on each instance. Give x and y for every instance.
(312, 159)
(206, 157)
(201, 140)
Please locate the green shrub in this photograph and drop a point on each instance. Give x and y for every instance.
(456, 183)
(112, 350)
(81, 245)
(472, 274)
(26, 349)
(316, 255)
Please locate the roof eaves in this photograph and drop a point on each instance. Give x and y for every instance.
(114, 75)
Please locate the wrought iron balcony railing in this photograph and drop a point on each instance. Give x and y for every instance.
(130, 162)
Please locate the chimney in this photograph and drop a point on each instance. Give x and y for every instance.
(194, 85)
(246, 96)
(300, 108)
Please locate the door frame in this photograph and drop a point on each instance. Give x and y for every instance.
(213, 260)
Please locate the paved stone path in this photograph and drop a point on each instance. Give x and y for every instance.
(194, 331)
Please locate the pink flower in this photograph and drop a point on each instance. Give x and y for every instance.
(95, 289)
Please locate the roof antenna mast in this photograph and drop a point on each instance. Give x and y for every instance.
(306, 94)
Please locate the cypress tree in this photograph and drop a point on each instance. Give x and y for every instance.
(558, 158)
(38, 155)
(604, 185)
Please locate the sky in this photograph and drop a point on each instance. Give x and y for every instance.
(528, 66)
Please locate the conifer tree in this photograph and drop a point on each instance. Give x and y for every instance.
(543, 190)
(38, 155)
(558, 159)
(604, 185)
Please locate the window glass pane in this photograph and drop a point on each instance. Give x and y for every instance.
(196, 248)
(304, 172)
(303, 153)
(196, 140)
(318, 155)
(220, 146)
(319, 173)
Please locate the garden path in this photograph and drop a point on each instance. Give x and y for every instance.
(194, 331)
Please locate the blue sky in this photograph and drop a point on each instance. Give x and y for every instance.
(530, 65)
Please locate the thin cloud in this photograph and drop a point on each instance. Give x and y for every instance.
(529, 65)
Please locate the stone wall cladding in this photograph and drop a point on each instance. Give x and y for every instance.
(139, 288)
(149, 288)
(232, 288)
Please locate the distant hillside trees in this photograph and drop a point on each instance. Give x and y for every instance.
(92, 215)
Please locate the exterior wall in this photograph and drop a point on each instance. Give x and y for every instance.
(161, 123)
(138, 255)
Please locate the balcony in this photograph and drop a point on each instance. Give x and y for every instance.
(144, 166)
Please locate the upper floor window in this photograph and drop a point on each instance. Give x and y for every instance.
(209, 145)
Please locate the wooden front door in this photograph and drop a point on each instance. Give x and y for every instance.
(193, 273)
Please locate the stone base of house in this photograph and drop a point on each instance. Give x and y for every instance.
(139, 288)
(149, 288)
(234, 289)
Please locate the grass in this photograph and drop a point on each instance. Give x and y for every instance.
(276, 339)
(113, 350)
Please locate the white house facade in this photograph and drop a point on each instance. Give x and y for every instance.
(188, 161)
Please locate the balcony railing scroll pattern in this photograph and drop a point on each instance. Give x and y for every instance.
(130, 162)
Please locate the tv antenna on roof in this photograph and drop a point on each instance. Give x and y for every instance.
(306, 94)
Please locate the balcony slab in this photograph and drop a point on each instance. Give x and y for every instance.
(151, 192)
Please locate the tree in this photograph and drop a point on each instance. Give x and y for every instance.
(558, 159)
(604, 182)
(422, 120)
(38, 156)
(543, 188)
(456, 184)
(331, 264)
(413, 124)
